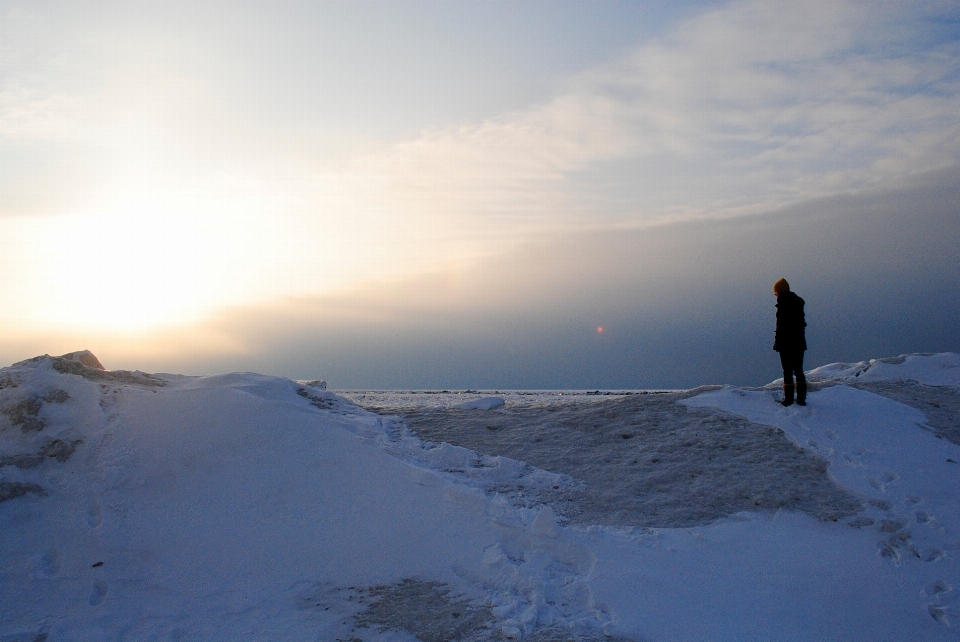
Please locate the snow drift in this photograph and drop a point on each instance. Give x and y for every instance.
(137, 506)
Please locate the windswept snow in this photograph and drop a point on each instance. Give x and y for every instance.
(235, 507)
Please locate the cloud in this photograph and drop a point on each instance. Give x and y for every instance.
(741, 108)
(747, 107)
(738, 110)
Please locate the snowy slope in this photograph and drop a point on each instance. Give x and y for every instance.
(245, 507)
(931, 369)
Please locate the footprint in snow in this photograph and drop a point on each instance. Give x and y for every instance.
(937, 587)
(94, 515)
(47, 564)
(98, 594)
(861, 522)
(931, 554)
(891, 525)
(939, 613)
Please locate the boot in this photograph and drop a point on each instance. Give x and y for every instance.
(801, 393)
(787, 395)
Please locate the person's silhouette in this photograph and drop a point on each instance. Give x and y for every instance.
(790, 341)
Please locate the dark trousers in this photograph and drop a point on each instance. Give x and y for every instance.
(792, 362)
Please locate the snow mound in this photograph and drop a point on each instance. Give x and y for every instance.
(85, 357)
(486, 403)
(140, 506)
(942, 369)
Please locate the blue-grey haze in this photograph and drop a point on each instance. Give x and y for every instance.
(681, 305)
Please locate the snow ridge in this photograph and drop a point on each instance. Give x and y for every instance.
(942, 369)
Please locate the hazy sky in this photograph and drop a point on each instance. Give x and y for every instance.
(459, 194)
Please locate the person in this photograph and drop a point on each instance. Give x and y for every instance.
(790, 342)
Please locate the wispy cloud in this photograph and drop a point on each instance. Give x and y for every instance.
(751, 106)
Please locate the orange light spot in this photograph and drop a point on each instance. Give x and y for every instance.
(600, 329)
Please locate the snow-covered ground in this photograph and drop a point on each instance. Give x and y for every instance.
(246, 507)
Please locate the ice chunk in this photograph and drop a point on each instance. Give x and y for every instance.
(486, 403)
(545, 523)
(85, 357)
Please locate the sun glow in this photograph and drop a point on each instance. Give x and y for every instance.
(152, 250)
(134, 267)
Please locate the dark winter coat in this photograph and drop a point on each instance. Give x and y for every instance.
(790, 324)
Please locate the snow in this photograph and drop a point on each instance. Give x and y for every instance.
(241, 506)
(941, 369)
(877, 448)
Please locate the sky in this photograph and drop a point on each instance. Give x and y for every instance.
(462, 194)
